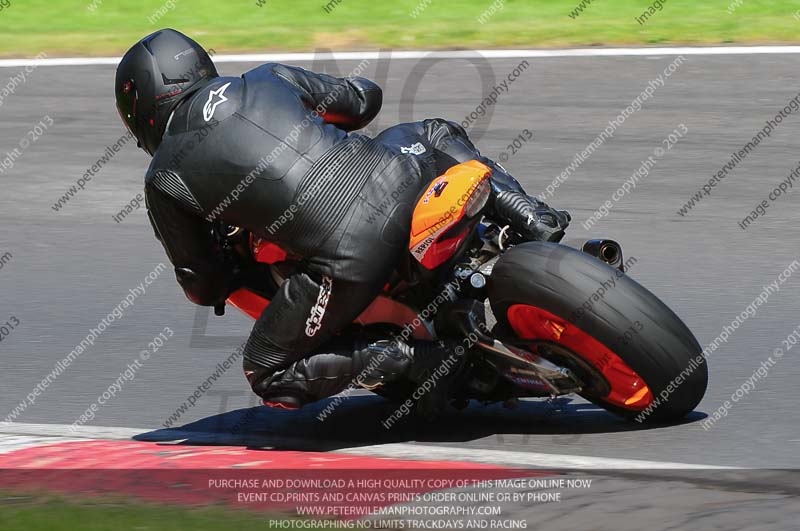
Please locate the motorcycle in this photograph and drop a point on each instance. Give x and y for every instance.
(536, 319)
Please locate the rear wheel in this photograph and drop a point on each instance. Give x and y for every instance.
(636, 357)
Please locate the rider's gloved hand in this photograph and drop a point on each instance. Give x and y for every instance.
(530, 218)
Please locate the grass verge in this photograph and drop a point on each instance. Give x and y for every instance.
(44, 512)
(103, 27)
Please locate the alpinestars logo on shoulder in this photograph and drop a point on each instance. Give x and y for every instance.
(415, 149)
(212, 103)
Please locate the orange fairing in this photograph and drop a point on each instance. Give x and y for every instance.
(456, 196)
(245, 300)
(267, 252)
(387, 310)
(248, 302)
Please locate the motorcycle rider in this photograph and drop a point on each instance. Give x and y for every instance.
(284, 139)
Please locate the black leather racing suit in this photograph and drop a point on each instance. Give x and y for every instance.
(273, 152)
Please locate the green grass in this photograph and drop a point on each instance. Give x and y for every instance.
(61, 27)
(49, 513)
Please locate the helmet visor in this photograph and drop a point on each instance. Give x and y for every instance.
(127, 100)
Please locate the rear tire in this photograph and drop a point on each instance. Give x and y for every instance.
(546, 279)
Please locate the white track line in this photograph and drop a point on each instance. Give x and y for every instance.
(52, 433)
(516, 459)
(64, 430)
(12, 443)
(424, 54)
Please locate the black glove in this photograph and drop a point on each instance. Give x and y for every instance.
(531, 219)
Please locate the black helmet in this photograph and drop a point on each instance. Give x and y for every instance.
(156, 74)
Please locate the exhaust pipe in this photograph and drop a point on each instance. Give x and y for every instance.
(607, 251)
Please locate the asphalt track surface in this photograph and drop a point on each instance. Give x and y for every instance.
(71, 268)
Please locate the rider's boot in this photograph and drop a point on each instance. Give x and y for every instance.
(332, 371)
(432, 366)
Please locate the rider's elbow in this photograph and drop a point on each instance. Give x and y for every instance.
(371, 98)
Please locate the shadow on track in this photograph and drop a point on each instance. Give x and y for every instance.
(357, 421)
